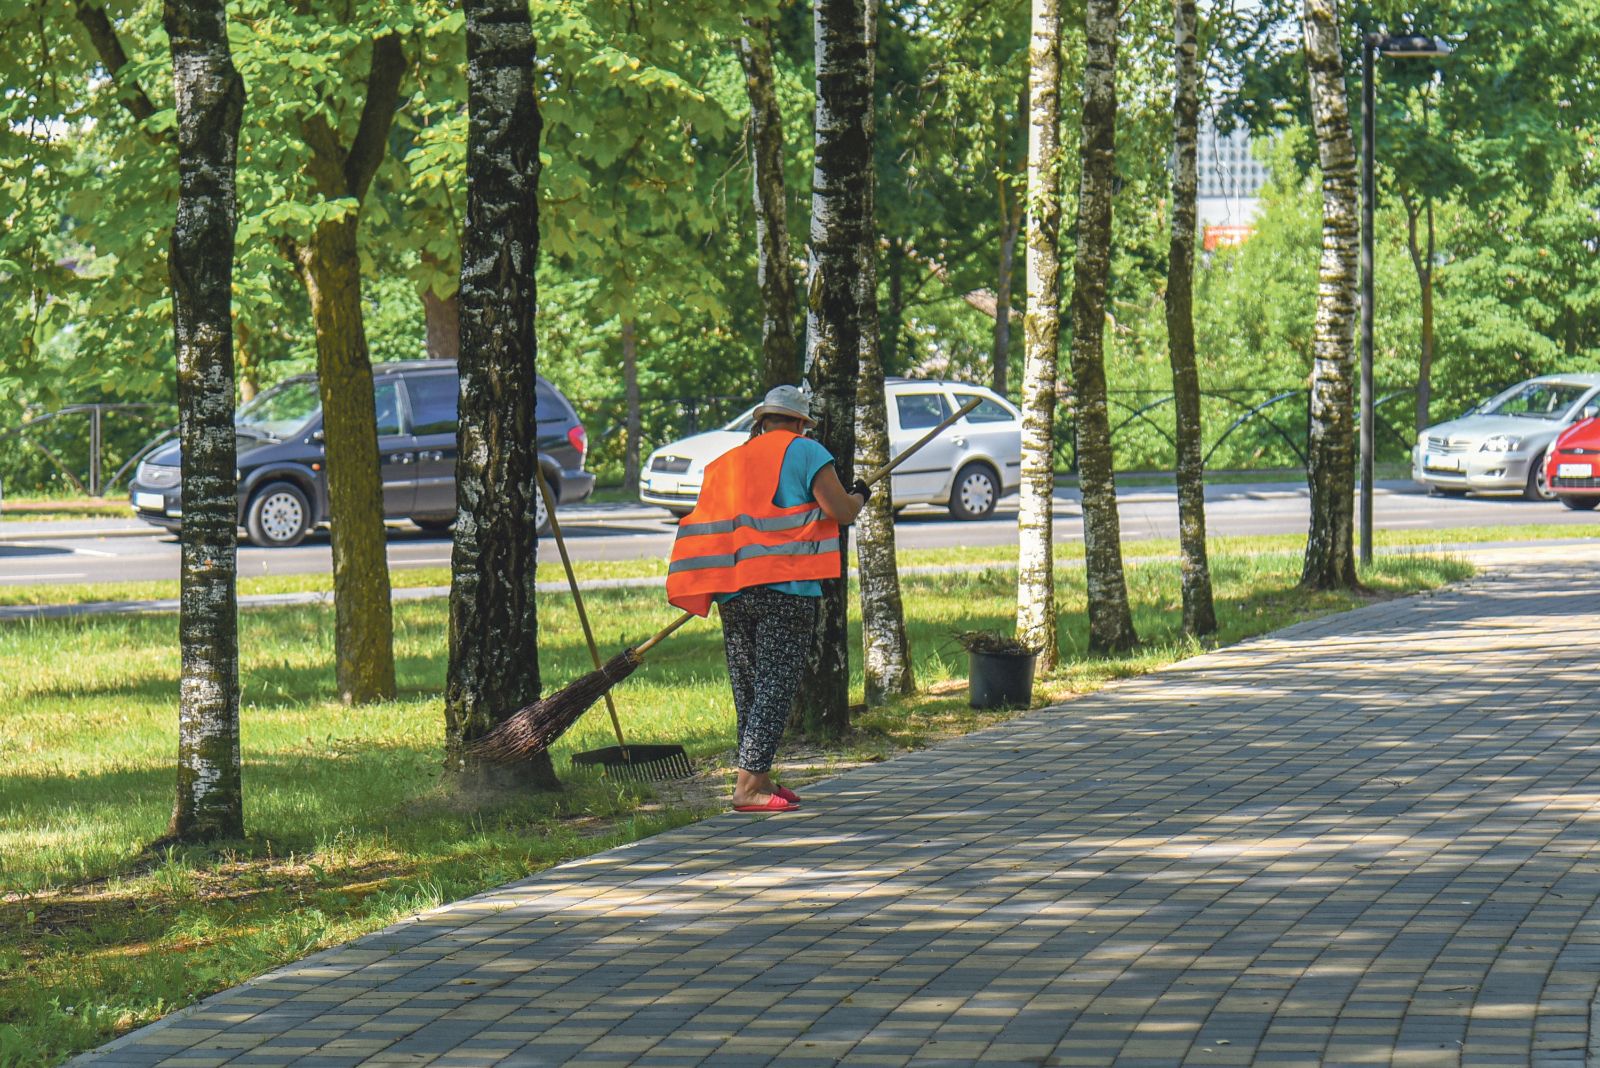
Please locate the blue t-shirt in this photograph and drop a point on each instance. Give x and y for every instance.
(801, 462)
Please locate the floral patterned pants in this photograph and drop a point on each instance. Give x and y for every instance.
(767, 634)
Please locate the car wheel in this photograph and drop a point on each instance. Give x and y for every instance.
(975, 493)
(1581, 504)
(1537, 489)
(541, 514)
(279, 516)
(433, 523)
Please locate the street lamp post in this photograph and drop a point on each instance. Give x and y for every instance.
(1409, 46)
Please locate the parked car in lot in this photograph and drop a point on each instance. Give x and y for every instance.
(968, 468)
(1572, 465)
(1499, 446)
(283, 478)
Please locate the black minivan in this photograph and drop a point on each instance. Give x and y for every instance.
(283, 478)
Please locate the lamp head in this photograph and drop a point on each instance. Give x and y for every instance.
(1413, 46)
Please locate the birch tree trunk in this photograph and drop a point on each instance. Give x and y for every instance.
(630, 388)
(1199, 613)
(841, 242)
(494, 628)
(780, 353)
(1110, 621)
(886, 664)
(210, 102)
(1036, 586)
(1330, 561)
(329, 266)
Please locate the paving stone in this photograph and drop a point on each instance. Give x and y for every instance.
(1365, 839)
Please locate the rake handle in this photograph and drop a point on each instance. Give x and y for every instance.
(876, 476)
(577, 597)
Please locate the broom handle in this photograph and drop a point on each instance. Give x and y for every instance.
(883, 472)
(870, 479)
(640, 650)
(577, 597)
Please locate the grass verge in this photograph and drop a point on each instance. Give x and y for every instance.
(351, 824)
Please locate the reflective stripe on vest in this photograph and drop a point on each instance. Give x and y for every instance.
(750, 552)
(761, 523)
(737, 538)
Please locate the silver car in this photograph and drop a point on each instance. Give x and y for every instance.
(1499, 446)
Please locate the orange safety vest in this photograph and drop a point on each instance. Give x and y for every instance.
(736, 537)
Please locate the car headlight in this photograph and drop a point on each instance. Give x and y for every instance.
(157, 476)
(1501, 443)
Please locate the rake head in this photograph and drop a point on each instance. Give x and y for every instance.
(638, 763)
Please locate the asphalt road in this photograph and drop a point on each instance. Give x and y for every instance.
(119, 550)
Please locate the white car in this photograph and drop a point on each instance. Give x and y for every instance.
(968, 468)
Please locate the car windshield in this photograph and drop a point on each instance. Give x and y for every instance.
(282, 410)
(1538, 400)
(743, 423)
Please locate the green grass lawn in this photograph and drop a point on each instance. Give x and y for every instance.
(352, 826)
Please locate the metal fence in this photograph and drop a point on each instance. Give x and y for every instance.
(82, 441)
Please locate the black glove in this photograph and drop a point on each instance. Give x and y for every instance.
(862, 488)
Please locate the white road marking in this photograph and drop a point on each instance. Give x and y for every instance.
(92, 552)
(44, 575)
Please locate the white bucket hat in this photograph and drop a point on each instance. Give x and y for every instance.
(792, 402)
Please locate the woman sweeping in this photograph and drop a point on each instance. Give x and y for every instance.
(762, 536)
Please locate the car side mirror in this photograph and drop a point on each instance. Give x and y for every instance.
(1589, 411)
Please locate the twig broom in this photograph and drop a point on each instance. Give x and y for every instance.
(535, 728)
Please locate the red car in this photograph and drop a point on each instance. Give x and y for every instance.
(1572, 466)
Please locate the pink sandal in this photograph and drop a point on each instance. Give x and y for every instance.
(773, 803)
(787, 794)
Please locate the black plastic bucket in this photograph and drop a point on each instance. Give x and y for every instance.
(1000, 680)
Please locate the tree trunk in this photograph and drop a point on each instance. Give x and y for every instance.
(494, 629)
(442, 318)
(894, 358)
(1110, 620)
(630, 386)
(244, 363)
(1330, 561)
(210, 101)
(330, 269)
(780, 355)
(1011, 212)
(1036, 584)
(841, 242)
(1422, 262)
(363, 620)
(886, 652)
(1199, 614)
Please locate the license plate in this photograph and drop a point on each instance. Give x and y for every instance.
(150, 502)
(1574, 470)
(1442, 463)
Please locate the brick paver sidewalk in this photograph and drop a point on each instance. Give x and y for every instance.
(1371, 839)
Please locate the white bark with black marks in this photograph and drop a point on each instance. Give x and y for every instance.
(494, 635)
(1199, 612)
(1330, 561)
(841, 241)
(1110, 619)
(1036, 589)
(209, 96)
(886, 664)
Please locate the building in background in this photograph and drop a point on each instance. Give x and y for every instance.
(1230, 181)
